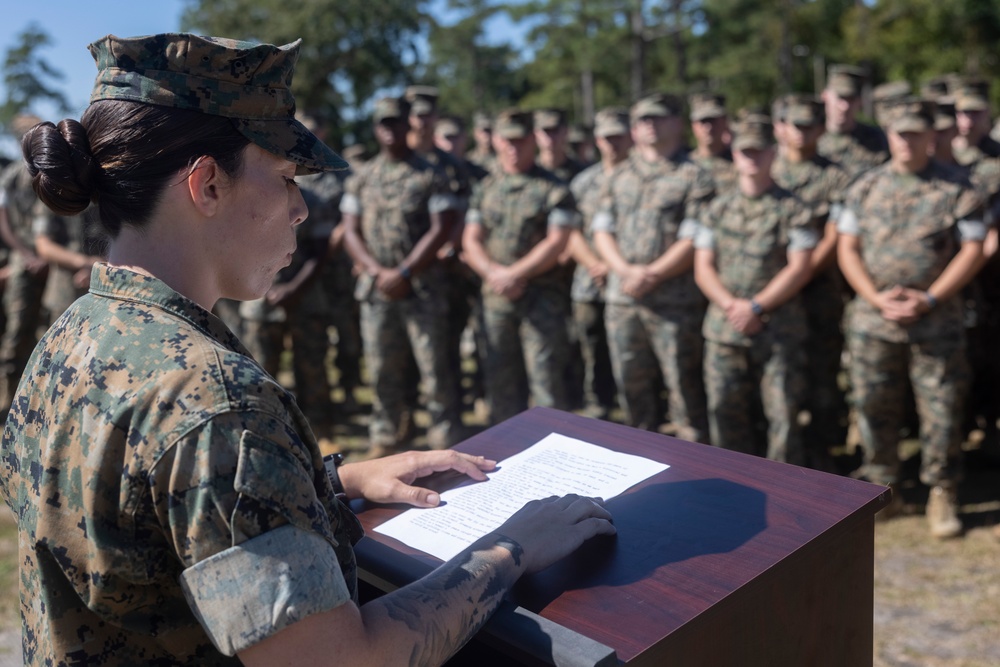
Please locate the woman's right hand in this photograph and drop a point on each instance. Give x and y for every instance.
(548, 530)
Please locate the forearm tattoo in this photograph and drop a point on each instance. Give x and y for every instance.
(447, 607)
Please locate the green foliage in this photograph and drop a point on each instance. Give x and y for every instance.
(472, 74)
(28, 77)
(351, 48)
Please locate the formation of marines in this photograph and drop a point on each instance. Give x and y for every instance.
(743, 278)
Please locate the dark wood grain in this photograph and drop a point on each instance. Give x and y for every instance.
(704, 548)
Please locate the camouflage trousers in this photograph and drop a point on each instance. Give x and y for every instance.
(598, 381)
(266, 341)
(939, 375)
(824, 345)
(393, 334)
(742, 381)
(643, 340)
(22, 305)
(344, 315)
(526, 351)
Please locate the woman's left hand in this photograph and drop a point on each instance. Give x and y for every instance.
(390, 479)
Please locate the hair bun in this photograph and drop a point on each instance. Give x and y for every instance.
(63, 170)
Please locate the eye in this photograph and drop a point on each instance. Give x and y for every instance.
(291, 181)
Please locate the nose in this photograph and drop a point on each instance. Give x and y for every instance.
(299, 211)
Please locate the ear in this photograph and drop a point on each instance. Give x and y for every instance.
(205, 183)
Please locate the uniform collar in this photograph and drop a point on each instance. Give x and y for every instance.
(115, 282)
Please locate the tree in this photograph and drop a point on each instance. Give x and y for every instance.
(471, 74)
(351, 49)
(28, 77)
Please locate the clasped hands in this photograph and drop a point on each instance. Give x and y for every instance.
(902, 304)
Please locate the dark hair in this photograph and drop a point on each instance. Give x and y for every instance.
(121, 155)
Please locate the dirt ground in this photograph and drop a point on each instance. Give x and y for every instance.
(937, 603)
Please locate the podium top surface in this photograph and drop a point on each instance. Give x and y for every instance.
(687, 537)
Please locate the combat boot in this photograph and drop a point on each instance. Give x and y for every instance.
(942, 513)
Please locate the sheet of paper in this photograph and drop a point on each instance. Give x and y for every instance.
(554, 466)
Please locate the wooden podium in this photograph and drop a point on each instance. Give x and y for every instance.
(722, 559)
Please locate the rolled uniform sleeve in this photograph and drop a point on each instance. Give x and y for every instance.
(350, 203)
(971, 230)
(802, 232)
(562, 208)
(239, 498)
(847, 222)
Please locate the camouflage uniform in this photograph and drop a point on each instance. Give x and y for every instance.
(751, 239)
(323, 194)
(302, 320)
(393, 201)
(721, 168)
(79, 234)
(525, 339)
(148, 487)
(820, 184)
(909, 227)
(648, 207)
(22, 298)
(588, 300)
(857, 151)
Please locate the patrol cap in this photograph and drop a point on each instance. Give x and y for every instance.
(513, 124)
(21, 123)
(707, 105)
(449, 126)
(754, 130)
(944, 114)
(973, 95)
(887, 95)
(660, 105)
(482, 121)
(779, 108)
(423, 99)
(246, 82)
(845, 80)
(910, 115)
(579, 133)
(549, 119)
(387, 108)
(611, 122)
(938, 86)
(803, 110)
(355, 152)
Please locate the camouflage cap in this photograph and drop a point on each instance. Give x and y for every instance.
(355, 152)
(611, 122)
(482, 121)
(549, 119)
(887, 95)
(753, 131)
(845, 80)
(387, 108)
(939, 86)
(21, 123)
(579, 133)
(245, 82)
(973, 95)
(944, 114)
(514, 124)
(910, 115)
(803, 110)
(779, 108)
(657, 105)
(423, 99)
(449, 126)
(705, 106)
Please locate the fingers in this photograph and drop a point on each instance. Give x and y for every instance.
(442, 460)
